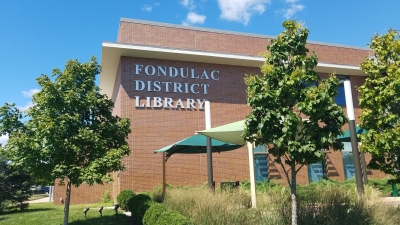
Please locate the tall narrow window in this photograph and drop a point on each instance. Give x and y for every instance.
(316, 171)
(340, 99)
(260, 163)
(348, 163)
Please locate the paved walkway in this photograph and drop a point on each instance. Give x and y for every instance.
(394, 201)
(46, 199)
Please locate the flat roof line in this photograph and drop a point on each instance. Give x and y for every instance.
(178, 50)
(186, 27)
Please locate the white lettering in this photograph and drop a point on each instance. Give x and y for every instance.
(156, 85)
(205, 86)
(138, 68)
(190, 103)
(192, 89)
(140, 85)
(179, 104)
(173, 72)
(186, 88)
(162, 69)
(177, 87)
(153, 70)
(187, 72)
(148, 101)
(166, 86)
(204, 74)
(157, 102)
(212, 74)
(193, 74)
(168, 103)
(201, 104)
(137, 99)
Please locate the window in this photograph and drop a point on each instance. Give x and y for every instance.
(340, 99)
(260, 163)
(316, 171)
(348, 163)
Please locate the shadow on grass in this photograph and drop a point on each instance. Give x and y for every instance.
(104, 220)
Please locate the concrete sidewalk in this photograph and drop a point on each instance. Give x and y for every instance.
(393, 201)
(40, 200)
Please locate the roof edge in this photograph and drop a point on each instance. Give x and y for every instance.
(186, 27)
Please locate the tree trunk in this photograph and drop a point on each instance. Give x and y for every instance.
(294, 198)
(67, 200)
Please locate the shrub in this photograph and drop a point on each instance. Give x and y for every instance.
(334, 204)
(158, 194)
(105, 198)
(153, 213)
(123, 198)
(173, 217)
(205, 207)
(138, 205)
(3, 205)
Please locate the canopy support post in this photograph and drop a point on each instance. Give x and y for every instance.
(164, 184)
(209, 149)
(250, 148)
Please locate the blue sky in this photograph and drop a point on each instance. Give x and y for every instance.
(37, 36)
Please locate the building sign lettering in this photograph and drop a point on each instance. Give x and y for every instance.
(192, 86)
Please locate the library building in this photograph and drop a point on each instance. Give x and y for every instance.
(160, 76)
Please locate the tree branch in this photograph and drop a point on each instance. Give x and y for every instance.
(301, 166)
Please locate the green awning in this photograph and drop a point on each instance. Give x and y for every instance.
(196, 144)
(346, 136)
(231, 133)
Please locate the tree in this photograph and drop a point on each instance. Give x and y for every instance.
(14, 184)
(380, 104)
(70, 133)
(295, 119)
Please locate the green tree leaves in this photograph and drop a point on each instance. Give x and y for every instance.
(283, 95)
(14, 184)
(380, 103)
(70, 133)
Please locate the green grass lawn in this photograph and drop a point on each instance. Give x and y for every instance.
(47, 213)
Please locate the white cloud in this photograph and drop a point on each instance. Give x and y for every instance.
(25, 107)
(288, 13)
(30, 93)
(188, 4)
(149, 8)
(241, 10)
(3, 139)
(294, 8)
(194, 18)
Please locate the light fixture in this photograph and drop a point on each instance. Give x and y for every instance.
(116, 206)
(101, 211)
(85, 211)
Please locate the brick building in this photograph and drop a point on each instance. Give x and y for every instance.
(159, 76)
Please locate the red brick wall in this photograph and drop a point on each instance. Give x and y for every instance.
(83, 194)
(225, 42)
(154, 128)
